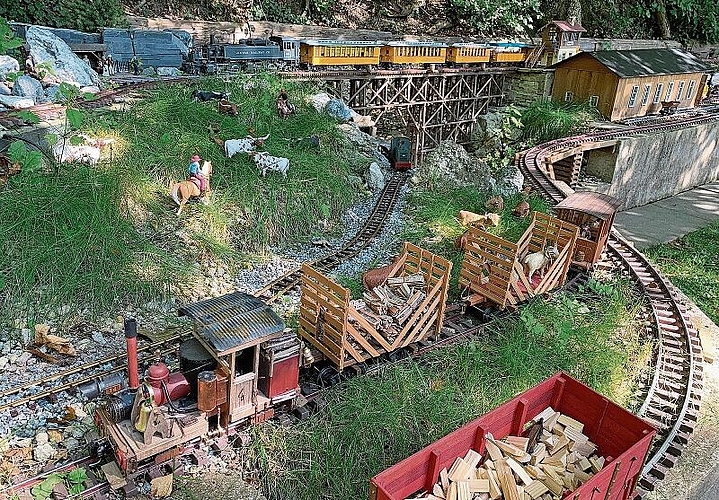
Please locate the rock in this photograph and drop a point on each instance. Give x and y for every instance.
(27, 86)
(45, 47)
(4, 361)
(8, 65)
(161, 487)
(71, 443)
(338, 110)
(168, 71)
(98, 338)
(319, 101)
(54, 435)
(375, 177)
(24, 357)
(509, 181)
(4, 89)
(41, 438)
(450, 163)
(149, 71)
(51, 93)
(366, 144)
(44, 452)
(16, 102)
(90, 89)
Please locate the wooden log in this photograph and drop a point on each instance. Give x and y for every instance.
(506, 481)
(519, 471)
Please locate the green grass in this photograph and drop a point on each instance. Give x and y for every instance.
(371, 422)
(692, 264)
(66, 240)
(109, 234)
(545, 121)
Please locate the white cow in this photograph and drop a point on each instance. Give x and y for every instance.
(265, 162)
(246, 145)
(80, 154)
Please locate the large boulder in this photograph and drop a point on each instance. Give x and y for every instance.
(375, 177)
(450, 163)
(16, 102)
(8, 65)
(4, 89)
(65, 66)
(367, 145)
(167, 71)
(338, 110)
(509, 181)
(27, 86)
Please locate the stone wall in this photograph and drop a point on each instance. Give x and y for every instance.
(655, 166)
(528, 85)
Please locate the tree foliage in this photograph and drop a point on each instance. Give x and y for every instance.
(496, 16)
(81, 15)
(8, 40)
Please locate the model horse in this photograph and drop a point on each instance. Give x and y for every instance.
(190, 188)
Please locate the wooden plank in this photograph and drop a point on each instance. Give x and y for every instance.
(506, 481)
(519, 470)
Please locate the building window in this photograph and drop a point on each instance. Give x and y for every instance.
(658, 93)
(633, 96)
(594, 101)
(680, 90)
(670, 87)
(645, 96)
(568, 96)
(690, 90)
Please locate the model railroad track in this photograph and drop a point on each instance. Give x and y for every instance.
(76, 376)
(674, 395)
(364, 237)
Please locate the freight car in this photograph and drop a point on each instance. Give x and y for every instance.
(592, 421)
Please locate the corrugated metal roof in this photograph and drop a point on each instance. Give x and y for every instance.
(233, 320)
(599, 205)
(644, 62)
(565, 26)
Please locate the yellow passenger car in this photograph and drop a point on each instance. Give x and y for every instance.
(339, 53)
(413, 53)
(468, 53)
(508, 52)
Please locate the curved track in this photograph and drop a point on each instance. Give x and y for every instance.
(673, 399)
(371, 228)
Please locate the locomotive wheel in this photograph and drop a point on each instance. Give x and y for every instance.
(328, 376)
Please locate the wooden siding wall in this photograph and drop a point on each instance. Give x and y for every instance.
(585, 80)
(621, 109)
(585, 77)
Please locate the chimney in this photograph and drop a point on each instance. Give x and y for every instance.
(131, 339)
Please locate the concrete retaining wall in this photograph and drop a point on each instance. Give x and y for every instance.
(655, 166)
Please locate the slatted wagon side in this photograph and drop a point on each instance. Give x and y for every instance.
(493, 271)
(344, 336)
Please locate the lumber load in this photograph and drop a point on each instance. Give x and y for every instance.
(407, 307)
(552, 458)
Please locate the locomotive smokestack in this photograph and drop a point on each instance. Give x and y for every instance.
(131, 338)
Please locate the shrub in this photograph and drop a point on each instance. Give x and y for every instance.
(547, 120)
(74, 14)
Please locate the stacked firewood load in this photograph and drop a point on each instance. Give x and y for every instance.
(388, 307)
(553, 458)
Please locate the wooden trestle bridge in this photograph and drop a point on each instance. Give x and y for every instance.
(433, 106)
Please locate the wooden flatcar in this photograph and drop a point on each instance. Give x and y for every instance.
(339, 53)
(594, 214)
(622, 438)
(468, 53)
(418, 53)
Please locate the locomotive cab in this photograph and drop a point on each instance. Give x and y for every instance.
(399, 153)
(240, 365)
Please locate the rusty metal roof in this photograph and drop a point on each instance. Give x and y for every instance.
(599, 205)
(566, 26)
(234, 320)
